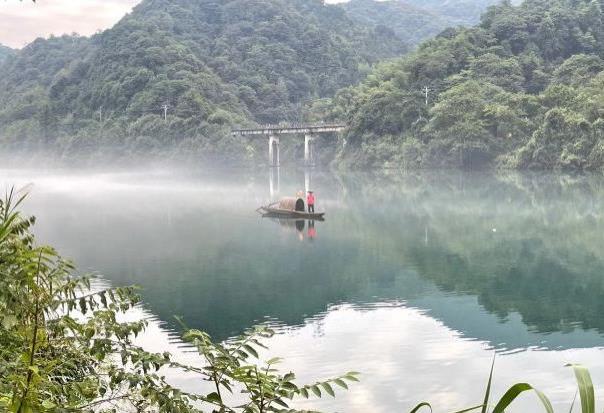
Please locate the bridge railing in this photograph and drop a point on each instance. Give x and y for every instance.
(291, 126)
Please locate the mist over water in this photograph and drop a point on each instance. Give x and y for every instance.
(415, 280)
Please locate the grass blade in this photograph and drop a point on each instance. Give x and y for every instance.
(469, 409)
(586, 388)
(572, 405)
(487, 393)
(515, 391)
(420, 406)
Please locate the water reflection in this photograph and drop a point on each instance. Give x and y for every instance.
(408, 357)
(312, 231)
(274, 183)
(420, 238)
(422, 273)
(297, 227)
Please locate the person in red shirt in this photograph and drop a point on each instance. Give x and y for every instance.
(310, 200)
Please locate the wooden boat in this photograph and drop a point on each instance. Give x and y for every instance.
(291, 208)
(283, 213)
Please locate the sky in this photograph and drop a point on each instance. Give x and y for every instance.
(23, 21)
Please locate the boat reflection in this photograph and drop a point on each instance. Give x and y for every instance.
(298, 226)
(312, 232)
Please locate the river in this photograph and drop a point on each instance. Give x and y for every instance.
(414, 279)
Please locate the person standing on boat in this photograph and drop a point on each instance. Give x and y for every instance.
(310, 201)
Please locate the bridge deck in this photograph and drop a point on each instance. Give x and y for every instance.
(289, 129)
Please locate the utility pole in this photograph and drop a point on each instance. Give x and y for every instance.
(426, 90)
(165, 108)
(101, 114)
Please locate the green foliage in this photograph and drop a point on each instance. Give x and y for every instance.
(416, 20)
(578, 70)
(521, 90)
(267, 389)
(63, 348)
(215, 64)
(585, 390)
(462, 12)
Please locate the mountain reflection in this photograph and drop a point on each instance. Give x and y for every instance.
(514, 260)
(525, 244)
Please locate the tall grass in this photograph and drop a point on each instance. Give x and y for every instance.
(585, 389)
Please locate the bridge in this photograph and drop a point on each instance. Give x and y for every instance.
(272, 131)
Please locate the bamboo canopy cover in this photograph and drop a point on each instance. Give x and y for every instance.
(291, 204)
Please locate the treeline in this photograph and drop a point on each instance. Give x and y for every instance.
(214, 64)
(460, 12)
(524, 89)
(417, 20)
(521, 90)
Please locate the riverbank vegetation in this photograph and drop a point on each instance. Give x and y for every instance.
(174, 76)
(213, 65)
(521, 90)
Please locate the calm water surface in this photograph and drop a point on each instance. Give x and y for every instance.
(415, 280)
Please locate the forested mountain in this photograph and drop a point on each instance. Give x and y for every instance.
(524, 89)
(5, 52)
(214, 64)
(417, 20)
(461, 12)
(411, 23)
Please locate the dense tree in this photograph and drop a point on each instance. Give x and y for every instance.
(522, 90)
(215, 64)
(465, 12)
(413, 23)
(417, 20)
(577, 70)
(487, 95)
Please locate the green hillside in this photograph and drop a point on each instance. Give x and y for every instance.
(215, 64)
(461, 12)
(417, 20)
(524, 89)
(411, 23)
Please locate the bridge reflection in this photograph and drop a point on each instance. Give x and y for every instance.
(274, 183)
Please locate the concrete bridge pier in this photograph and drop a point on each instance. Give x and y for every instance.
(273, 151)
(307, 181)
(309, 150)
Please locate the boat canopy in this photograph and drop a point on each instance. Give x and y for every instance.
(292, 204)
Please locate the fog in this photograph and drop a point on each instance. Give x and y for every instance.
(412, 279)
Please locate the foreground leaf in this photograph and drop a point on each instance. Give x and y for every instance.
(586, 388)
(515, 391)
